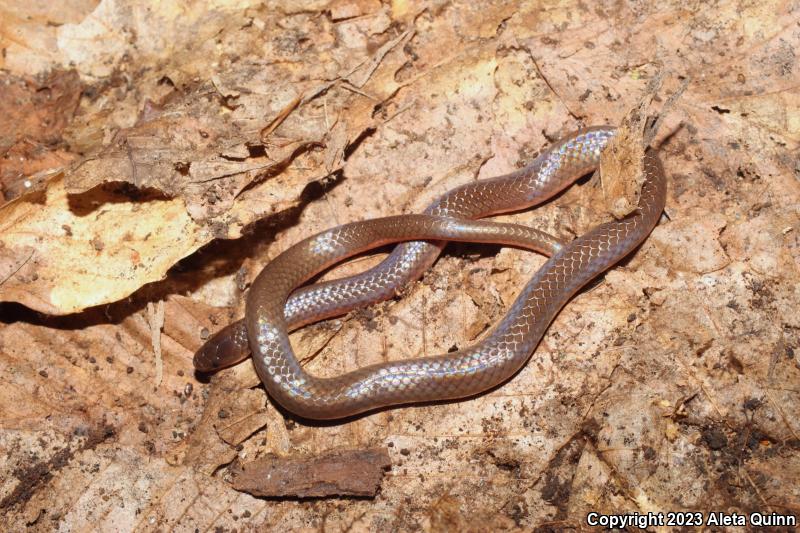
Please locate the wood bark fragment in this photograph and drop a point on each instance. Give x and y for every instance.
(336, 473)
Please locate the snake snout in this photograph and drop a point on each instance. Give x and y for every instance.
(226, 348)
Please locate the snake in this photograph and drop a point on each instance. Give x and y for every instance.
(275, 306)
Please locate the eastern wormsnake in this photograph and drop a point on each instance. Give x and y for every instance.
(272, 309)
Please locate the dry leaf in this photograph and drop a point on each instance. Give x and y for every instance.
(72, 252)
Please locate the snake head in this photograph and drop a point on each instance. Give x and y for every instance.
(226, 348)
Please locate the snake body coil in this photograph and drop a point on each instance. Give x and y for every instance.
(273, 308)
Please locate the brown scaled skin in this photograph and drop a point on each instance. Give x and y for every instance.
(468, 371)
(553, 170)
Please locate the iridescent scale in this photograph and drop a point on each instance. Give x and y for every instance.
(272, 308)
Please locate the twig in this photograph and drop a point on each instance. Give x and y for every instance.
(278, 120)
(155, 316)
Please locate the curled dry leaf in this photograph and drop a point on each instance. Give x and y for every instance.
(621, 161)
(621, 164)
(621, 171)
(62, 253)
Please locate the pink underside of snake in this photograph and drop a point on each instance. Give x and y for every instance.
(273, 309)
